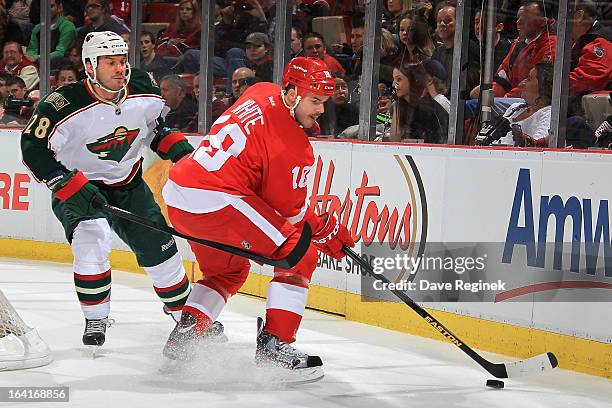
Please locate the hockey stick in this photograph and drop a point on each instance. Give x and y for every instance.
(285, 263)
(541, 362)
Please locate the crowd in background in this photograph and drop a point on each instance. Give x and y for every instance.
(415, 69)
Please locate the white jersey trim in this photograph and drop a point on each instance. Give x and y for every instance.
(206, 300)
(283, 296)
(300, 216)
(199, 201)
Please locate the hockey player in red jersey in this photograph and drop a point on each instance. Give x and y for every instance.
(245, 185)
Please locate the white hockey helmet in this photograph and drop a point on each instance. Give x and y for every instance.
(103, 43)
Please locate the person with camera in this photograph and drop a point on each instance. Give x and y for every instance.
(17, 108)
(239, 18)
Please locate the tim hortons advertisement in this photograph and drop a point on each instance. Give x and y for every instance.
(482, 232)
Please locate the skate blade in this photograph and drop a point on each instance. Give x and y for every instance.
(212, 340)
(283, 376)
(92, 352)
(170, 366)
(304, 376)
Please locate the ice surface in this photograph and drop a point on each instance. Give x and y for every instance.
(365, 366)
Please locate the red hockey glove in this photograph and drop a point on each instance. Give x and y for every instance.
(330, 236)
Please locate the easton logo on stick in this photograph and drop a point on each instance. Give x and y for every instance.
(115, 145)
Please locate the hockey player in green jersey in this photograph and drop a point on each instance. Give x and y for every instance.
(86, 142)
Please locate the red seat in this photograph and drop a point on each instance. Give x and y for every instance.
(159, 12)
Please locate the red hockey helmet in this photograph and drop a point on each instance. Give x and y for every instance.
(310, 75)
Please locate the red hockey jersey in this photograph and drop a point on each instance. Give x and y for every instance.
(254, 149)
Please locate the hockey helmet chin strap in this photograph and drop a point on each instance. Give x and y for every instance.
(94, 80)
(120, 94)
(291, 108)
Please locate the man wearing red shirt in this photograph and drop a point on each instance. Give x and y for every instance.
(314, 46)
(591, 66)
(525, 53)
(246, 186)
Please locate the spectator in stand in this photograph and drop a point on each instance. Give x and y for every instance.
(535, 44)
(74, 56)
(19, 11)
(258, 56)
(9, 31)
(530, 121)
(591, 70)
(415, 114)
(502, 44)
(74, 10)
(339, 114)
(238, 75)
(246, 83)
(444, 52)
(66, 75)
(305, 10)
(296, 42)
(355, 50)
(356, 46)
(426, 10)
(508, 13)
(357, 27)
(394, 12)
(183, 108)
(15, 114)
(238, 20)
(538, 45)
(63, 35)
(388, 56)
(218, 106)
(314, 46)
(16, 63)
(154, 64)
(98, 12)
(183, 33)
(591, 64)
(436, 82)
(415, 44)
(3, 91)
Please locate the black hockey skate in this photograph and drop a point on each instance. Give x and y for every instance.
(95, 331)
(182, 342)
(95, 335)
(273, 352)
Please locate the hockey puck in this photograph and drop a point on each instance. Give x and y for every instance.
(498, 384)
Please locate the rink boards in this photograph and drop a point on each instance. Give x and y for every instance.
(504, 203)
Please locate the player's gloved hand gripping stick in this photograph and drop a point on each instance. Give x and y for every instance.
(285, 263)
(531, 365)
(76, 192)
(330, 236)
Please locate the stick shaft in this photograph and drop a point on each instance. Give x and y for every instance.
(284, 263)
